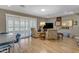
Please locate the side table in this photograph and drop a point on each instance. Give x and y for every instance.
(60, 35)
(42, 35)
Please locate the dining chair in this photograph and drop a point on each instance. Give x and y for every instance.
(18, 38)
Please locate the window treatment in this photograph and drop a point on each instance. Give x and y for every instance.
(19, 24)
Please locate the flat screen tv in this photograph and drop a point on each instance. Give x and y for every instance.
(48, 25)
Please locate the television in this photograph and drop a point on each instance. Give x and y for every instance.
(48, 25)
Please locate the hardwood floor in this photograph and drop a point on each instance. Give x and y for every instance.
(36, 45)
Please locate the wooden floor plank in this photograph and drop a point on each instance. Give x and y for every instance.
(36, 45)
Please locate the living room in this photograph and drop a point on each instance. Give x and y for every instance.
(62, 25)
(55, 25)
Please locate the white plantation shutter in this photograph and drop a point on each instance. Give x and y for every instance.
(20, 24)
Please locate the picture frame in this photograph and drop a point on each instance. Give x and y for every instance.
(58, 21)
(75, 22)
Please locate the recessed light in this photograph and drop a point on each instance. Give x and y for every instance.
(71, 12)
(42, 10)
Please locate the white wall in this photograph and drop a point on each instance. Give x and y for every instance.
(75, 29)
(66, 31)
(46, 20)
(72, 30)
(52, 20)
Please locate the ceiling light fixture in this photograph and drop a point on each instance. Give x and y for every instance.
(42, 10)
(9, 5)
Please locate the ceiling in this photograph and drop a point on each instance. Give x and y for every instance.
(50, 10)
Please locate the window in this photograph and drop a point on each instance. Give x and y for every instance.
(20, 24)
(26, 24)
(9, 22)
(33, 23)
(16, 23)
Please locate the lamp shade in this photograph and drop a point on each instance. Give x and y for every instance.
(42, 23)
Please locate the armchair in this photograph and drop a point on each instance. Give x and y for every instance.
(34, 33)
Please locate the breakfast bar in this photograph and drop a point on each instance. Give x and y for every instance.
(6, 40)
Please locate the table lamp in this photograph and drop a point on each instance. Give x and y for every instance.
(42, 25)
